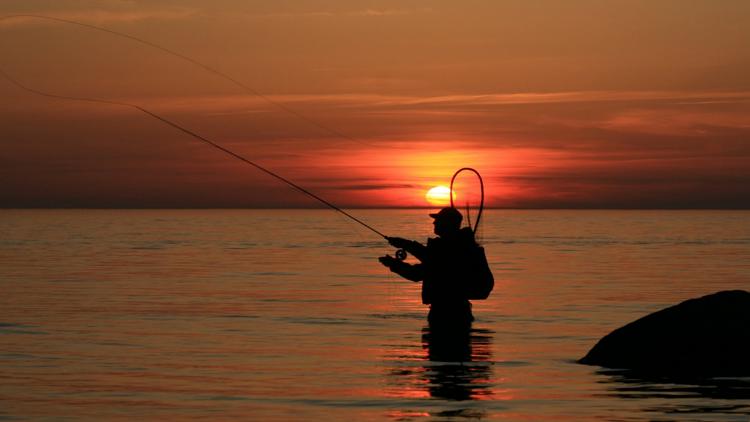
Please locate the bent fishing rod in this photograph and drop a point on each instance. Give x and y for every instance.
(196, 136)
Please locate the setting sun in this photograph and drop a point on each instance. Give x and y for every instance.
(439, 196)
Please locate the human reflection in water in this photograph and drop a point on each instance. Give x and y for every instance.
(458, 363)
(452, 367)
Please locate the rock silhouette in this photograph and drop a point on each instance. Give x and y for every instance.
(707, 336)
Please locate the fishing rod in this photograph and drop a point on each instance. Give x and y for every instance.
(197, 136)
(182, 128)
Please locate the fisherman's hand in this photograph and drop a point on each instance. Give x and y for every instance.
(387, 260)
(398, 242)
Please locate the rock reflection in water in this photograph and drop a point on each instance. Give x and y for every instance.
(686, 396)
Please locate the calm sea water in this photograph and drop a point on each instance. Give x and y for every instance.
(287, 315)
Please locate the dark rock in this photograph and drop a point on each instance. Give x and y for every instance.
(707, 336)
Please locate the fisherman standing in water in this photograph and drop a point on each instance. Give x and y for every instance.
(452, 269)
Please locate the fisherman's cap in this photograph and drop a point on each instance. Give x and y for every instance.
(448, 213)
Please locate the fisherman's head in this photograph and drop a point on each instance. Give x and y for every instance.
(447, 220)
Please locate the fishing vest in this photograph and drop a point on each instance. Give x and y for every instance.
(456, 270)
(480, 281)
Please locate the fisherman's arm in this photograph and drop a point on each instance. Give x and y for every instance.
(407, 271)
(412, 246)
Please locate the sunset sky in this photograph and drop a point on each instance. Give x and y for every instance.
(559, 104)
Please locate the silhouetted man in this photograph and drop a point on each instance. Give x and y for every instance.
(443, 268)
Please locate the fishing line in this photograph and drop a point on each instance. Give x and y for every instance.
(195, 135)
(400, 254)
(481, 202)
(197, 63)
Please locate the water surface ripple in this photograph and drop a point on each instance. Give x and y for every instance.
(281, 315)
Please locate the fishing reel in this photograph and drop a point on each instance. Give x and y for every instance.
(401, 254)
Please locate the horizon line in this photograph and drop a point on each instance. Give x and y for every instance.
(3, 208)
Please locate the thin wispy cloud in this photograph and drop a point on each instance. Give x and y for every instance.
(94, 16)
(671, 122)
(576, 97)
(254, 104)
(370, 12)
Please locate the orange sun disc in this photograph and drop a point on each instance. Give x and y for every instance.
(439, 196)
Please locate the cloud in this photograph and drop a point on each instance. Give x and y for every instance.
(369, 186)
(370, 12)
(94, 16)
(676, 122)
(388, 12)
(455, 104)
(574, 97)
